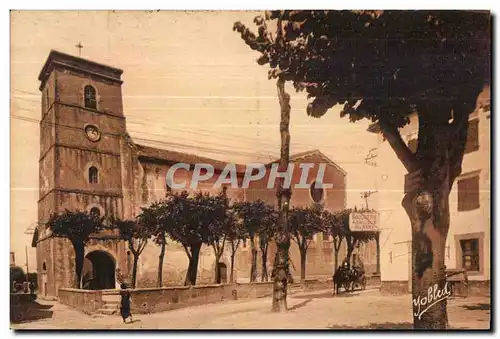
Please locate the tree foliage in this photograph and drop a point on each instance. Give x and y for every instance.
(304, 223)
(253, 215)
(17, 274)
(77, 226)
(136, 235)
(341, 57)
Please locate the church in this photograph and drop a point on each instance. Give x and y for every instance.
(89, 162)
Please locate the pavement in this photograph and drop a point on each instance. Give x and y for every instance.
(307, 310)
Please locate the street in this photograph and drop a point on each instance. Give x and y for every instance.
(312, 310)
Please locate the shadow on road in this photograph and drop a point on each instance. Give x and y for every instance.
(376, 326)
(477, 307)
(299, 305)
(26, 311)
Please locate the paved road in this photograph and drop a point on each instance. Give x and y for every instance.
(313, 310)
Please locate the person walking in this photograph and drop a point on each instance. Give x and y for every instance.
(125, 303)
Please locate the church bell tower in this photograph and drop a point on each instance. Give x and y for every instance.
(82, 123)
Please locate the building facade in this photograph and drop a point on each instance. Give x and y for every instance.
(88, 162)
(468, 241)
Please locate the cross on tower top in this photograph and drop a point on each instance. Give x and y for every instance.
(79, 46)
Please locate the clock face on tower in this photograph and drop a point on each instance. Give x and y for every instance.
(92, 132)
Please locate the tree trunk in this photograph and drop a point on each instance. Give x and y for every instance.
(264, 275)
(427, 205)
(79, 258)
(192, 271)
(377, 240)
(217, 279)
(336, 259)
(429, 231)
(160, 262)
(350, 249)
(303, 255)
(253, 269)
(231, 276)
(281, 269)
(134, 269)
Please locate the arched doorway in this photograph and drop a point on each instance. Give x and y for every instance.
(222, 278)
(98, 271)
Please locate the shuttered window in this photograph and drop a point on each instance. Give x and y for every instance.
(472, 136)
(470, 254)
(468, 193)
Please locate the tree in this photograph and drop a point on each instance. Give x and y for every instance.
(384, 66)
(77, 227)
(304, 223)
(333, 224)
(16, 275)
(136, 235)
(159, 218)
(266, 233)
(266, 40)
(235, 235)
(196, 219)
(252, 214)
(220, 220)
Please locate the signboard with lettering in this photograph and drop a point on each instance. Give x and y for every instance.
(363, 222)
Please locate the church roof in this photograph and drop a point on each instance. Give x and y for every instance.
(152, 153)
(302, 155)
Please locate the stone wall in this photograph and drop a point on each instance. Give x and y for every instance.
(86, 301)
(151, 300)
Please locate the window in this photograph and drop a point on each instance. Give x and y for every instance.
(472, 137)
(317, 193)
(44, 266)
(412, 145)
(93, 175)
(468, 193)
(95, 211)
(90, 97)
(470, 254)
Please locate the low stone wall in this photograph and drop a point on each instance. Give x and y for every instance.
(151, 300)
(254, 290)
(86, 301)
(394, 287)
(317, 284)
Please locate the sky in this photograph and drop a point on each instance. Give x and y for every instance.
(190, 84)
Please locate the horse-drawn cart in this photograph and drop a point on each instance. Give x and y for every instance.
(349, 279)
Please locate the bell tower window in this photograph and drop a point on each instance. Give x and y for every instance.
(93, 175)
(90, 97)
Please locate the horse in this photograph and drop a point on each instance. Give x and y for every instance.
(341, 278)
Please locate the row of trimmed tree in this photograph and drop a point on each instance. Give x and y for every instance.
(212, 220)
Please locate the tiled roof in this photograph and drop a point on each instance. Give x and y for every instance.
(181, 157)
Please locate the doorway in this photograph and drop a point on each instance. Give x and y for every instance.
(222, 278)
(98, 271)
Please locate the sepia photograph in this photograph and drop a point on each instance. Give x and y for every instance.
(250, 170)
